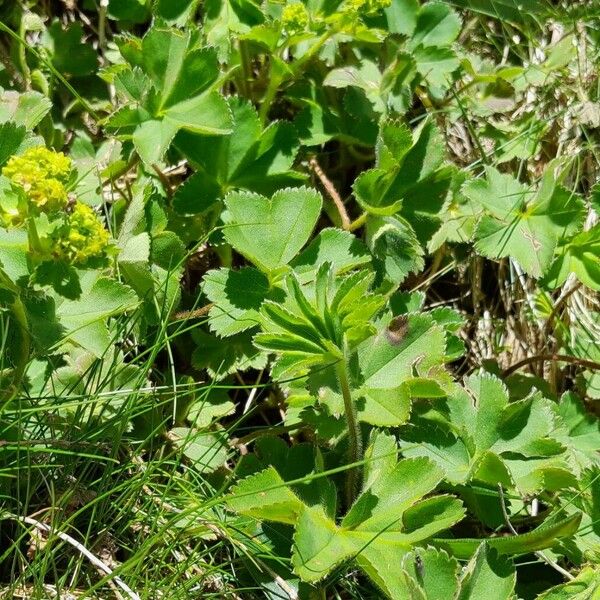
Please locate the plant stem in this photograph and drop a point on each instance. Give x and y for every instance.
(34, 239)
(333, 193)
(22, 56)
(102, 23)
(275, 80)
(358, 222)
(354, 437)
(22, 352)
(573, 360)
(246, 75)
(270, 94)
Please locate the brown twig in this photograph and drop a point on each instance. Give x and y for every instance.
(333, 193)
(184, 315)
(582, 362)
(164, 180)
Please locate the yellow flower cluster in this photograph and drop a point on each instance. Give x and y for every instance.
(81, 239)
(294, 18)
(367, 8)
(42, 175)
(78, 236)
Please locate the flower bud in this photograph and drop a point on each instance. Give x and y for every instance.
(82, 239)
(294, 18)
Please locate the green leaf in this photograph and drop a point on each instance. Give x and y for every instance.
(173, 70)
(381, 455)
(583, 343)
(208, 406)
(174, 10)
(265, 496)
(270, 232)
(400, 168)
(401, 16)
(316, 124)
(221, 357)
(430, 574)
(319, 320)
(206, 451)
(135, 11)
(520, 223)
(133, 241)
(318, 546)
(458, 216)
(586, 502)
(484, 437)
(183, 77)
(11, 140)
(150, 258)
(342, 250)
(133, 84)
(436, 64)
(299, 463)
(85, 320)
(152, 139)
(586, 586)
(26, 109)
(389, 359)
(437, 25)
(487, 575)
(578, 431)
(226, 19)
(513, 11)
(167, 251)
(14, 249)
(540, 538)
(383, 524)
(60, 276)
(251, 158)
(206, 114)
(70, 55)
(396, 248)
(579, 256)
(365, 77)
(199, 194)
(387, 519)
(384, 407)
(237, 297)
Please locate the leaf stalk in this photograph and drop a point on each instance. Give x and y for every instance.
(355, 446)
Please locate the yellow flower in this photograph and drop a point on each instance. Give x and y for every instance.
(42, 174)
(81, 239)
(294, 18)
(368, 8)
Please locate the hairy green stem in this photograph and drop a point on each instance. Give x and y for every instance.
(358, 222)
(22, 56)
(296, 69)
(270, 94)
(246, 64)
(34, 239)
(354, 436)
